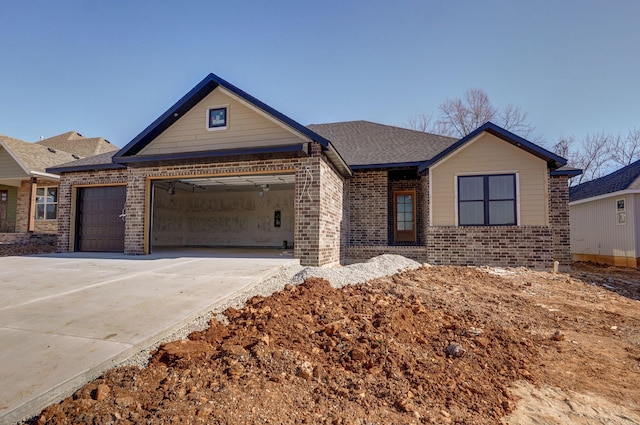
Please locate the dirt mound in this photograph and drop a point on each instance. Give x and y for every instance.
(434, 345)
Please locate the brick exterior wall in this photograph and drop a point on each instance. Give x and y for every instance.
(67, 181)
(319, 208)
(368, 200)
(559, 219)
(331, 215)
(359, 253)
(399, 185)
(503, 246)
(424, 189)
(506, 246)
(24, 208)
(28, 238)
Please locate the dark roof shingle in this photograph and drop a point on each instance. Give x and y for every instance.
(363, 143)
(623, 179)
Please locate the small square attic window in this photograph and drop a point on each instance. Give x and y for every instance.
(217, 118)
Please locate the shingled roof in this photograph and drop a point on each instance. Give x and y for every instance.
(33, 157)
(626, 178)
(365, 144)
(103, 161)
(76, 143)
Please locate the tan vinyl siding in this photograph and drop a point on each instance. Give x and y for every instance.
(9, 168)
(488, 154)
(246, 128)
(595, 231)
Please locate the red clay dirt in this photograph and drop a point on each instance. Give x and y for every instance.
(435, 345)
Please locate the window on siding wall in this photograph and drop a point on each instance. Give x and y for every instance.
(487, 200)
(404, 205)
(46, 203)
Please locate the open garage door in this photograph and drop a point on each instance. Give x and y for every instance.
(100, 223)
(254, 211)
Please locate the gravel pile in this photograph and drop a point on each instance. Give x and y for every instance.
(383, 265)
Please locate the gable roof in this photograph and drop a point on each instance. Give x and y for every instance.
(554, 161)
(365, 144)
(76, 143)
(34, 158)
(198, 93)
(627, 178)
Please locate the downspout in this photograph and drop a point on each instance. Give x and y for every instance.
(32, 202)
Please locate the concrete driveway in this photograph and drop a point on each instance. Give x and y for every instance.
(66, 318)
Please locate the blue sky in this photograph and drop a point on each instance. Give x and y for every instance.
(109, 68)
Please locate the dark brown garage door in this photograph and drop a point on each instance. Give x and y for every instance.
(100, 227)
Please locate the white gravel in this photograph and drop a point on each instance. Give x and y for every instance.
(383, 265)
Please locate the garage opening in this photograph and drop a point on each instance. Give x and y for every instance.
(100, 219)
(254, 211)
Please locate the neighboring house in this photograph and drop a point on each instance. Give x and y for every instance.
(29, 194)
(605, 218)
(221, 168)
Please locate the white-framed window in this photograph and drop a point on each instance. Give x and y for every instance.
(487, 200)
(621, 212)
(218, 118)
(46, 203)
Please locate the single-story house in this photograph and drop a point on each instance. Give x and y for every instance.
(605, 218)
(221, 168)
(28, 193)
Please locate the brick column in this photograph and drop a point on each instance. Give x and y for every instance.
(559, 219)
(307, 213)
(135, 207)
(64, 216)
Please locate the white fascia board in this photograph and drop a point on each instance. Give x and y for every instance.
(605, 196)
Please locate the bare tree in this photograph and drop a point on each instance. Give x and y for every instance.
(514, 119)
(422, 122)
(626, 151)
(459, 117)
(563, 147)
(594, 157)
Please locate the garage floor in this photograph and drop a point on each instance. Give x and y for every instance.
(65, 318)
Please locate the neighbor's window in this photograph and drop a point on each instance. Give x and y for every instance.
(621, 211)
(217, 118)
(46, 203)
(405, 216)
(487, 200)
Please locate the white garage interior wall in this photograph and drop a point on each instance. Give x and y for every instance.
(223, 212)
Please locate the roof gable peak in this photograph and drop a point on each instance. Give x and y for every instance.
(554, 161)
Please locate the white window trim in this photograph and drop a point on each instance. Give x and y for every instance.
(226, 126)
(623, 210)
(35, 209)
(483, 173)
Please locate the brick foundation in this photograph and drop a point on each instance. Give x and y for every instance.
(362, 253)
(28, 238)
(505, 246)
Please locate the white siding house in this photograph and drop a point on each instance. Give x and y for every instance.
(605, 218)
